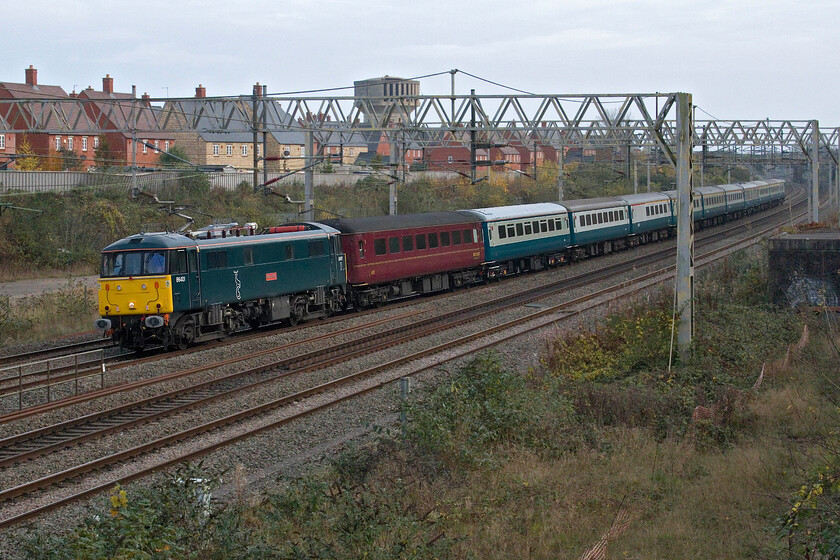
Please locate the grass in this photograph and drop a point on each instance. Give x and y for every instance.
(496, 464)
(69, 310)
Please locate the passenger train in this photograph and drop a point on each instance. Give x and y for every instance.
(175, 289)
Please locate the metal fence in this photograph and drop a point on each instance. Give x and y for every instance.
(57, 181)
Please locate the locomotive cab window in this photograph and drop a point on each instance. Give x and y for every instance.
(290, 251)
(248, 256)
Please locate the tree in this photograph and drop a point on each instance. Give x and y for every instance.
(71, 161)
(173, 159)
(103, 156)
(30, 161)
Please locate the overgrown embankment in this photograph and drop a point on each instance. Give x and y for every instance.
(602, 447)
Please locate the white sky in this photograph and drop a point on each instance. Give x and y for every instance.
(741, 59)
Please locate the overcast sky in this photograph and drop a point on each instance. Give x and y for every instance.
(742, 59)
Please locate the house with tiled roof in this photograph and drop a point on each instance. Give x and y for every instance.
(119, 112)
(48, 147)
(235, 145)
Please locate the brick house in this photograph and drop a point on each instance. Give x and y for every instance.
(45, 145)
(117, 111)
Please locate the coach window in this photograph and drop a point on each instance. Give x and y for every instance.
(543, 226)
(420, 241)
(502, 232)
(559, 222)
(511, 233)
(528, 230)
(248, 256)
(393, 244)
(379, 246)
(536, 225)
(433, 240)
(408, 243)
(361, 249)
(444, 239)
(550, 225)
(456, 235)
(290, 251)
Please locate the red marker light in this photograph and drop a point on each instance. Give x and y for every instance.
(107, 287)
(157, 285)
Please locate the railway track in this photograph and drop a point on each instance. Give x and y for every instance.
(27, 445)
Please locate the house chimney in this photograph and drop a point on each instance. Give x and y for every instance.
(108, 84)
(258, 90)
(31, 76)
(145, 99)
(200, 91)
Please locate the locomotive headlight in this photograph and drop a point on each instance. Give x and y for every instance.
(142, 286)
(131, 305)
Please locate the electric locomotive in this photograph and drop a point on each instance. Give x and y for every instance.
(174, 290)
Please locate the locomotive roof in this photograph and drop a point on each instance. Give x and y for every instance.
(170, 240)
(156, 240)
(518, 211)
(404, 221)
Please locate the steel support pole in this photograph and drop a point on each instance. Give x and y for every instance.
(255, 130)
(837, 180)
(396, 159)
(309, 176)
(560, 174)
(685, 226)
(635, 178)
(815, 171)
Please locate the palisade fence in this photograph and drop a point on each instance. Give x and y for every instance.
(57, 181)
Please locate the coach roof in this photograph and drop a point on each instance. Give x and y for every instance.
(399, 222)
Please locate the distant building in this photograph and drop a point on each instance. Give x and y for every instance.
(378, 93)
(234, 146)
(119, 112)
(46, 146)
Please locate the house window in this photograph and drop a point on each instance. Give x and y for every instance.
(244, 149)
(95, 142)
(57, 143)
(259, 150)
(84, 143)
(145, 147)
(450, 159)
(70, 143)
(2, 141)
(215, 149)
(157, 148)
(166, 145)
(229, 150)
